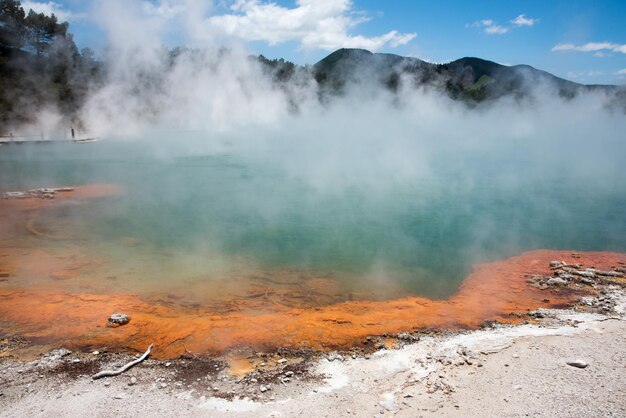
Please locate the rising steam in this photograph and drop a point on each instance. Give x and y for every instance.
(369, 159)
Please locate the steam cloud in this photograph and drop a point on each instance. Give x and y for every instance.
(223, 92)
(368, 143)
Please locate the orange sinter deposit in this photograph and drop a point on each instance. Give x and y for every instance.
(492, 292)
(48, 311)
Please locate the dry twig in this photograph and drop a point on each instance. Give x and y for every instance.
(110, 373)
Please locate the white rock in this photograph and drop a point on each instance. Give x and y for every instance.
(55, 355)
(119, 319)
(581, 364)
(587, 300)
(388, 401)
(556, 281)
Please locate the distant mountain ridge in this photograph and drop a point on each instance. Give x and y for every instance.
(470, 79)
(42, 72)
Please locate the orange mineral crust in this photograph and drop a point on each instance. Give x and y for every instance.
(79, 320)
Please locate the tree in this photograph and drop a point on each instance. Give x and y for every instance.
(12, 25)
(88, 54)
(40, 66)
(42, 31)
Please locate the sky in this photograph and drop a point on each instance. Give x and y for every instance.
(580, 40)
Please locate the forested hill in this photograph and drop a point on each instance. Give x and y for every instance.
(42, 69)
(40, 66)
(468, 79)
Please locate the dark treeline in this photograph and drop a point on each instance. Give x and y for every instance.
(40, 66)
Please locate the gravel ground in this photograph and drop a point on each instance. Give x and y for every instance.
(501, 371)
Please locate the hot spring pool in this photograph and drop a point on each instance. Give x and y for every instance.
(205, 228)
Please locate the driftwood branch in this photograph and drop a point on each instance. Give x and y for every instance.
(110, 373)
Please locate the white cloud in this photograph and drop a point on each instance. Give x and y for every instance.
(489, 27)
(563, 47)
(496, 30)
(314, 24)
(522, 20)
(621, 72)
(591, 47)
(50, 7)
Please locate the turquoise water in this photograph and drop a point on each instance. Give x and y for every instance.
(417, 234)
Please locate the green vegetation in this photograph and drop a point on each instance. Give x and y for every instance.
(470, 80)
(480, 89)
(281, 70)
(40, 67)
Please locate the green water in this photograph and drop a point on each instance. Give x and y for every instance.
(419, 234)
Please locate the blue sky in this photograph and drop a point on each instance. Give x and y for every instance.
(581, 40)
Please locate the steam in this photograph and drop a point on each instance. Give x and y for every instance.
(369, 159)
(226, 96)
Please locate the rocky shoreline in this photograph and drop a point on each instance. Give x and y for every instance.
(501, 291)
(399, 374)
